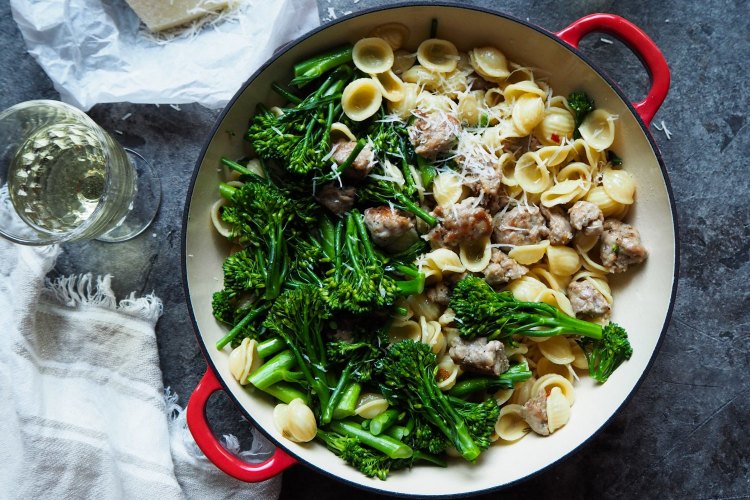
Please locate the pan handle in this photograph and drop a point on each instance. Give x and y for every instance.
(640, 43)
(216, 453)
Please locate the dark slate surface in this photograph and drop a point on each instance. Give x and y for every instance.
(685, 433)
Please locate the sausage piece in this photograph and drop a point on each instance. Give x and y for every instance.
(433, 133)
(535, 413)
(362, 163)
(520, 226)
(621, 246)
(338, 200)
(586, 300)
(479, 355)
(560, 232)
(587, 218)
(502, 269)
(390, 228)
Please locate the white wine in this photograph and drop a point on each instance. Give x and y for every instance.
(57, 177)
(66, 179)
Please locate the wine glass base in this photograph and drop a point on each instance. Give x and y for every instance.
(145, 204)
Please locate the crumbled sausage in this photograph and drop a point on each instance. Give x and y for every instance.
(502, 269)
(338, 200)
(535, 413)
(433, 133)
(560, 232)
(362, 163)
(462, 222)
(621, 246)
(521, 145)
(587, 218)
(390, 228)
(487, 184)
(479, 355)
(586, 300)
(520, 226)
(438, 294)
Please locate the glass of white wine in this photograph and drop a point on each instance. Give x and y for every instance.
(63, 178)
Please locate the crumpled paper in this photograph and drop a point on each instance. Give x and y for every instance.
(95, 51)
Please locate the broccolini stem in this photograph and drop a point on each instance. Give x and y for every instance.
(236, 329)
(429, 457)
(433, 28)
(516, 373)
(364, 237)
(326, 414)
(286, 393)
(348, 402)
(285, 93)
(270, 347)
(226, 191)
(412, 207)
(276, 369)
(233, 165)
(392, 448)
(427, 171)
(310, 69)
(328, 238)
(352, 156)
(384, 421)
(397, 432)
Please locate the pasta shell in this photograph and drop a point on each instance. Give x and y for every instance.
(522, 392)
(361, 99)
(395, 34)
(532, 174)
(558, 410)
(579, 360)
(341, 131)
(372, 55)
(422, 76)
(545, 367)
(564, 192)
(553, 155)
(403, 330)
(557, 350)
(469, 107)
(402, 61)
(510, 424)
(557, 124)
(422, 306)
(406, 105)
(390, 85)
(526, 289)
(562, 260)
(438, 55)
(529, 254)
(370, 405)
(556, 299)
(432, 335)
(490, 63)
(447, 373)
(221, 227)
(598, 129)
(548, 382)
(609, 206)
(447, 188)
(619, 185)
(528, 112)
(516, 90)
(475, 255)
(502, 396)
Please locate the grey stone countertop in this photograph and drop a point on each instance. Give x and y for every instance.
(685, 433)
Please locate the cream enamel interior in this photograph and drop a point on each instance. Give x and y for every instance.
(642, 297)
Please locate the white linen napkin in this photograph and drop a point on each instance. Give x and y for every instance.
(83, 412)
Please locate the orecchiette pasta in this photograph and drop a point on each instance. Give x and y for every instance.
(372, 55)
(511, 425)
(361, 99)
(390, 85)
(438, 55)
(598, 129)
(619, 185)
(490, 63)
(395, 34)
(475, 255)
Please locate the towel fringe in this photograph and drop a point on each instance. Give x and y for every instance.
(81, 290)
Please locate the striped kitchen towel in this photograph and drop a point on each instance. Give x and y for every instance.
(83, 412)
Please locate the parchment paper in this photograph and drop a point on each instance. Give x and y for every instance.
(96, 51)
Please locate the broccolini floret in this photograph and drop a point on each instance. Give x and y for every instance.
(408, 372)
(582, 105)
(482, 312)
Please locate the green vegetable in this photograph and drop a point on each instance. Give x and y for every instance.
(297, 316)
(516, 373)
(358, 281)
(408, 372)
(310, 69)
(582, 105)
(300, 135)
(482, 312)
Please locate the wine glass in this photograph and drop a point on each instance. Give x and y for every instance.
(63, 178)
